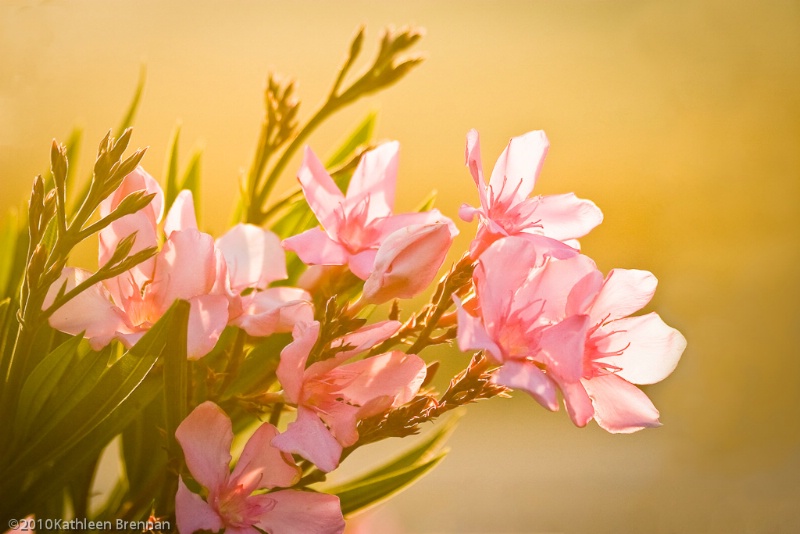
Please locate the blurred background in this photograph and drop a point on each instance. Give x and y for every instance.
(681, 120)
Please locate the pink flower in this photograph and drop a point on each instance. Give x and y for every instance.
(556, 324)
(408, 260)
(505, 207)
(353, 225)
(187, 267)
(331, 397)
(254, 259)
(206, 436)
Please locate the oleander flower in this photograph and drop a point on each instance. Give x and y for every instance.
(353, 225)
(555, 324)
(331, 397)
(187, 267)
(505, 208)
(206, 436)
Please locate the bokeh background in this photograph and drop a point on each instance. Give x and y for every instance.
(681, 120)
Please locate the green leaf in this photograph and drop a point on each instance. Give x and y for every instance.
(133, 107)
(176, 387)
(428, 202)
(108, 394)
(258, 370)
(357, 498)
(41, 383)
(191, 180)
(171, 172)
(8, 244)
(388, 479)
(361, 136)
(143, 451)
(76, 457)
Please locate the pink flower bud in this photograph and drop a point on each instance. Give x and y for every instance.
(408, 260)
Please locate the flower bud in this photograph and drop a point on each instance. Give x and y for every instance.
(408, 260)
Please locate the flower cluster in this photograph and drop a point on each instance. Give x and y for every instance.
(543, 317)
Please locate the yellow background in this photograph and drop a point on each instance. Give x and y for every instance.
(681, 120)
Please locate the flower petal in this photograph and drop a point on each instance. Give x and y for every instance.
(315, 247)
(393, 374)
(472, 157)
(208, 316)
(619, 406)
(321, 192)
(292, 365)
(375, 178)
(137, 180)
(567, 216)
(523, 375)
(303, 512)
(365, 338)
(311, 439)
(193, 513)
(181, 215)
(625, 291)
(576, 400)
(185, 268)
(564, 345)
(262, 466)
(472, 334)
(254, 256)
(654, 349)
(514, 175)
(91, 312)
(276, 309)
(205, 437)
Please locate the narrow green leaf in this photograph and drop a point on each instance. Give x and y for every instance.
(79, 486)
(133, 107)
(143, 449)
(258, 370)
(41, 383)
(176, 385)
(191, 180)
(361, 136)
(171, 172)
(76, 456)
(9, 233)
(374, 491)
(73, 145)
(421, 453)
(110, 391)
(428, 202)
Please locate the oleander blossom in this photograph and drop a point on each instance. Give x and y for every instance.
(557, 324)
(356, 224)
(505, 208)
(225, 282)
(206, 436)
(332, 396)
(187, 267)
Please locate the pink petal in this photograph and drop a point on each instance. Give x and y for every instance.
(584, 292)
(185, 268)
(654, 349)
(365, 338)
(254, 256)
(576, 400)
(193, 513)
(407, 262)
(276, 309)
(393, 374)
(472, 159)
(291, 368)
(303, 512)
(375, 178)
(205, 437)
(514, 175)
(311, 439)
(552, 284)
(619, 406)
(91, 312)
(315, 247)
(146, 236)
(322, 194)
(363, 263)
(341, 419)
(262, 466)
(402, 220)
(468, 213)
(567, 216)
(624, 292)
(181, 215)
(137, 180)
(564, 345)
(473, 335)
(523, 375)
(208, 316)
